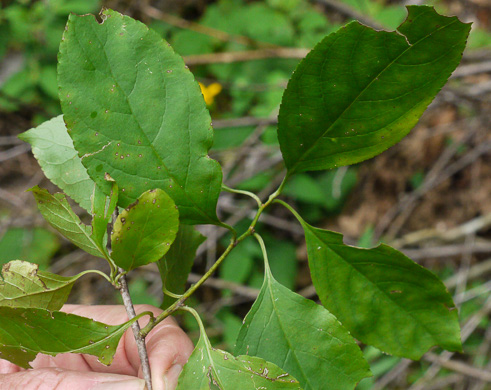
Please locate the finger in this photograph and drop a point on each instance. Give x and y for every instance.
(58, 379)
(7, 368)
(112, 315)
(168, 347)
(126, 360)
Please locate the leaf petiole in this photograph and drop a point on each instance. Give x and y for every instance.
(263, 250)
(170, 294)
(248, 193)
(233, 243)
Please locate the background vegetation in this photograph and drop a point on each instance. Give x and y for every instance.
(428, 196)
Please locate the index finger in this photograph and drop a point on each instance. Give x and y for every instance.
(167, 347)
(167, 344)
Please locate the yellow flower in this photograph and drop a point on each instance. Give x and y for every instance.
(209, 92)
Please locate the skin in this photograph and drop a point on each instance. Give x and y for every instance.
(168, 350)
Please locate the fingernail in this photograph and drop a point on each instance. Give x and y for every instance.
(171, 377)
(132, 384)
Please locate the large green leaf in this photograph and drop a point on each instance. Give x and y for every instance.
(360, 91)
(176, 265)
(381, 296)
(301, 337)
(25, 332)
(143, 232)
(210, 368)
(53, 148)
(56, 210)
(23, 285)
(135, 111)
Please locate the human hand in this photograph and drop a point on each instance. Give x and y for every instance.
(168, 349)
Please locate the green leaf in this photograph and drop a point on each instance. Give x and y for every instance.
(134, 111)
(143, 232)
(381, 296)
(23, 285)
(56, 210)
(175, 267)
(102, 209)
(36, 245)
(301, 337)
(53, 148)
(25, 332)
(360, 91)
(210, 368)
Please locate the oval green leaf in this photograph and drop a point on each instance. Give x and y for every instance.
(25, 332)
(210, 368)
(54, 151)
(144, 231)
(301, 337)
(23, 285)
(56, 210)
(360, 91)
(383, 297)
(135, 111)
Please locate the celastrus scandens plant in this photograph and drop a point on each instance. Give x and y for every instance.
(133, 144)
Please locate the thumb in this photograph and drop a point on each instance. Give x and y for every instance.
(58, 379)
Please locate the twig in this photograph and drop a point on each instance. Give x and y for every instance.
(483, 351)
(346, 10)
(68, 260)
(244, 121)
(10, 140)
(221, 284)
(454, 234)
(135, 327)
(465, 264)
(471, 69)
(475, 90)
(477, 270)
(445, 251)
(246, 55)
(445, 382)
(244, 149)
(473, 293)
(11, 64)
(459, 367)
(199, 28)
(11, 198)
(436, 176)
(14, 152)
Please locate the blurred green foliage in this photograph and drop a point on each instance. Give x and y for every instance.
(36, 245)
(33, 30)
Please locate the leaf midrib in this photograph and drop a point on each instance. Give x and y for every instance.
(417, 321)
(144, 135)
(270, 279)
(309, 149)
(80, 225)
